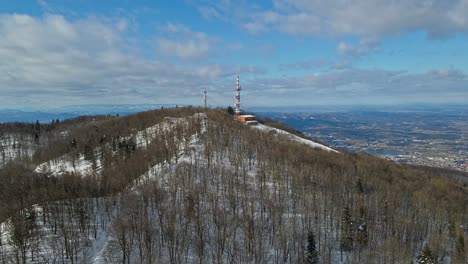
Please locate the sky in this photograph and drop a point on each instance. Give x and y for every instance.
(59, 53)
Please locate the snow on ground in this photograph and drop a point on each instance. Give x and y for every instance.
(293, 137)
(67, 164)
(195, 147)
(48, 243)
(144, 137)
(4, 235)
(15, 147)
(100, 246)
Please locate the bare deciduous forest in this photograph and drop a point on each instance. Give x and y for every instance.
(202, 188)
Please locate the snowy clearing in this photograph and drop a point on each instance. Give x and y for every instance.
(293, 137)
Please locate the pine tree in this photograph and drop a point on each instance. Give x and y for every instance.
(37, 127)
(230, 110)
(346, 230)
(36, 138)
(312, 256)
(426, 256)
(362, 235)
(460, 247)
(360, 187)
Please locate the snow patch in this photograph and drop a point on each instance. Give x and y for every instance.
(293, 137)
(68, 164)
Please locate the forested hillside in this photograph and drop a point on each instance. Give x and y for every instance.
(187, 186)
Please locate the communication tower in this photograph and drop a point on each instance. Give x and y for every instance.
(205, 100)
(238, 104)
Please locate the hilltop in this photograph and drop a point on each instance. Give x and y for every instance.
(184, 185)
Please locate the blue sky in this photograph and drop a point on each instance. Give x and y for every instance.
(55, 53)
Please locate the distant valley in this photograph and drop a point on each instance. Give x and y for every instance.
(430, 136)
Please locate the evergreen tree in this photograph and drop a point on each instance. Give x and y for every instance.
(73, 143)
(37, 127)
(360, 187)
(460, 247)
(362, 235)
(312, 256)
(36, 137)
(230, 110)
(426, 256)
(346, 230)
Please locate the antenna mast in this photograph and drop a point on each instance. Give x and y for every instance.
(205, 100)
(238, 104)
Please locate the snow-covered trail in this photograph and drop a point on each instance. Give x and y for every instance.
(293, 137)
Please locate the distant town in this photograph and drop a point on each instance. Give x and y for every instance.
(436, 137)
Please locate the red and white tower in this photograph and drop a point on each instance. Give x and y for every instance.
(238, 104)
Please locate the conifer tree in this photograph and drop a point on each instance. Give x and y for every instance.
(359, 186)
(230, 110)
(426, 256)
(362, 235)
(460, 248)
(346, 230)
(312, 256)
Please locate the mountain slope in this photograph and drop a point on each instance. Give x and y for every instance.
(293, 137)
(211, 190)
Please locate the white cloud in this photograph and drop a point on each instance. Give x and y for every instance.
(196, 48)
(448, 74)
(226, 10)
(366, 86)
(364, 47)
(316, 63)
(369, 18)
(184, 43)
(122, 25)
(341, 65)
(55, 60)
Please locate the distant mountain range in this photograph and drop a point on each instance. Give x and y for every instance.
(44, 116)
(14, 115)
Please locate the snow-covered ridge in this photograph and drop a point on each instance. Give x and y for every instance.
(66, 164)
(79, 165)
(293, 137)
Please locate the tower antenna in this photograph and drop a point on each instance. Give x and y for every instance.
(205, 99)
(238, 103)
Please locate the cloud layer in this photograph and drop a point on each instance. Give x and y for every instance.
(369, 18)
(367, 86)
(90, 60)
(184, 43)
(54, 60)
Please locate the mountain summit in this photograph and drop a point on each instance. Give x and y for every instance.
(185, 185)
